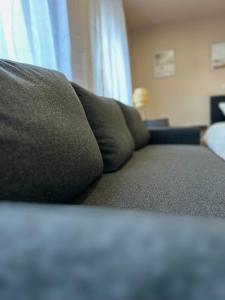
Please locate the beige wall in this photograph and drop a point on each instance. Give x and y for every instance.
(185, 97)
(79, 17)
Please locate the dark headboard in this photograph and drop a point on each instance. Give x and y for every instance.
(215, 112)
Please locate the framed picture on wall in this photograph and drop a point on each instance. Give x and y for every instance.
(164, 64)
(218, 56)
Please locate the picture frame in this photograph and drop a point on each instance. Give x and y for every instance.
(218, 56)
(164, 64)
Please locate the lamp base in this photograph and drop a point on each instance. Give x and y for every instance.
(143, 113)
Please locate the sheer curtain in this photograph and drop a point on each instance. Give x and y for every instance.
(110, 54)
(36, 32)
(88, 37)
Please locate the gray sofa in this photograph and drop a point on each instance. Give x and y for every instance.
(177, 179)
(104, 208)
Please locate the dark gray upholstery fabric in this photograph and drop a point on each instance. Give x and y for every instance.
(171, 179)
(109, 126)
(139, 132)
(65, 253)
(45, 138)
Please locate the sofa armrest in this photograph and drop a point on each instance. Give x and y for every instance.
(175, 135)
(83, 253)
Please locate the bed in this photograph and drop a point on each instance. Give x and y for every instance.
(214, 137)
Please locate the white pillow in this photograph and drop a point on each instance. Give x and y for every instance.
(222, 107)
(214, 138)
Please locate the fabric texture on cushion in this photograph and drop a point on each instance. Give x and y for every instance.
(45, 137)
(140, 133)
(169, 179)
(109, 127)
(80, 253)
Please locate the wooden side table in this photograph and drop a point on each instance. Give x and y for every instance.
(203, 129)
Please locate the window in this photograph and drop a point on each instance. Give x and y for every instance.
(36, 32)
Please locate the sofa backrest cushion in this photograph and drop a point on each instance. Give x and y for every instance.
(109, 126)
(48, 152)
(140, 134)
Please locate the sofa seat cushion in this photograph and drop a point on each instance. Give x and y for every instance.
(169, 179)
(139, 132)
(45, 137)
(109, 127)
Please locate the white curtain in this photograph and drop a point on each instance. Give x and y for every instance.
(36, 32)
(110, 54)
(88, 37)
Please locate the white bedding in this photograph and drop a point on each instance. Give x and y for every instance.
(214, 138)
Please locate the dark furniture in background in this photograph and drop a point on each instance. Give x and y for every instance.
(162, 133)
(173, 135)
(215, 113)
(156, 123)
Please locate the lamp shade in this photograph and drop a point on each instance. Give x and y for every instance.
(141, 97)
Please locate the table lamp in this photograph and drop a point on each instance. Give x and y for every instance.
(141, 98)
